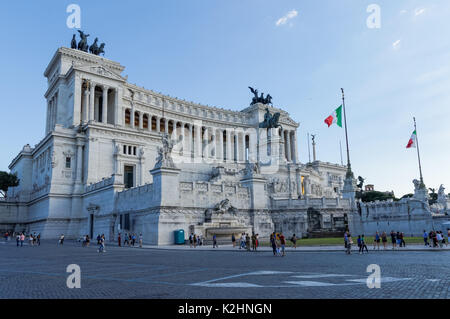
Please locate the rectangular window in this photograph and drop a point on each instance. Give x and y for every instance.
(68, 162)
(129, 176)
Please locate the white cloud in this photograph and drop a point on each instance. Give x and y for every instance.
(290, 15)
(419, 11)
(396, 45)
(403, 11)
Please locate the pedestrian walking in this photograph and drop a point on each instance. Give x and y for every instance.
(233, 240)
(283, 244)
(384, 239)
(18, 239)
(22, 239)
(393, 239)
(294, 241)
(376, 241)
(349, 244)
(119, 239)
(247, 242)
(61, 239)
(253, 242)
(425, 238)
(273, 244)
(363, 244)
(242, 241)
(215, 241)
(256, 242)
(345, 240)
(101, 248)
(195, 240)
(126, 240)
(191, 239)
(140, 240)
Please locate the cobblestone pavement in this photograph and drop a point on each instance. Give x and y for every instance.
(40, 272)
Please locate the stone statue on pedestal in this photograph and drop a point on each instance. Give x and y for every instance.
(260, 99)
(83, 45)
(164, 159)
(270, 121)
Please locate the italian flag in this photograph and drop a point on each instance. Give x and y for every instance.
(336, 117)
(412, 140)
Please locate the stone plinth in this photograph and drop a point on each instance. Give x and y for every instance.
(166, 185)
(257, 193)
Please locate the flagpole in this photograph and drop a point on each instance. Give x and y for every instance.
(309, 152)
(349, 168)
(418, 153)
(340, 149)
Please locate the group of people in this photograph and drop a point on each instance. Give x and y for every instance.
(437, 238)
(197, 240)
(33, 239)
(278, 243)
(246, 241)
(129, 239)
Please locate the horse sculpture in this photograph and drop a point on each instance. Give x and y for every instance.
(270, 121)
(83, 45)
(94, 47)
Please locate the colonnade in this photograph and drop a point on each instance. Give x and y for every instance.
(227, 144)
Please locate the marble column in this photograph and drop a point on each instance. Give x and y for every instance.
(79, 162)
(189, 144)
(132, 115)
(295, 147)
(243, 147)
(105, 104)
(141, 120)
(205, 147)
(86, 105)
(158, 124)
(236, 146)
(213, 143)
(220, 151)
(288, 142)
(166, 126)
(229, 157)
(118, 120)
(92, 101)
(198, 142)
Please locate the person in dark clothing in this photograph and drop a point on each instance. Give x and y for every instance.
(363, 245)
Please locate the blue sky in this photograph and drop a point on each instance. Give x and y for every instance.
(210, 51)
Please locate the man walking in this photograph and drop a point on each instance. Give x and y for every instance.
(215, 241)
(272, 242)
(425, 238)
(283, 244)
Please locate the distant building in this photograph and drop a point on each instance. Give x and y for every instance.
(369, 188)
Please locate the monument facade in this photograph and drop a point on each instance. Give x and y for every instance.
(116, 157)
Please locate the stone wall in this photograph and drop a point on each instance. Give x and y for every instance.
(409, 215)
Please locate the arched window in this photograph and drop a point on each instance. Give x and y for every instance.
(154, 123)
(145, 121)
(136, 119)
(127, 117)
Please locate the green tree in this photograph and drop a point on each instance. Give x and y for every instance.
(374, 195)
(7, 180)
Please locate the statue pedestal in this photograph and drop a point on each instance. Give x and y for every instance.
(349, 190)
(421, 194)
(166, 184)
(257, 193)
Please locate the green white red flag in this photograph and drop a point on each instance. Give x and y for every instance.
(335, 117)
(412, 141)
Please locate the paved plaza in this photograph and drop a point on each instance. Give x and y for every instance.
(130, 273)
